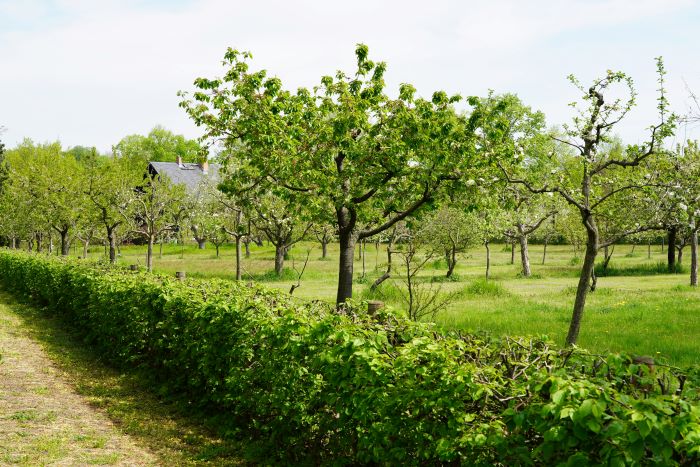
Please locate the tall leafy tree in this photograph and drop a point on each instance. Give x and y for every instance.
(370, 160)
(159, 145)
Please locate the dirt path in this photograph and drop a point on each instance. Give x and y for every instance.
(42, 420)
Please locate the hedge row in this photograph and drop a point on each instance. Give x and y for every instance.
(310, 385)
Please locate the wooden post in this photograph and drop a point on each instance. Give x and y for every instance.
(180, 275)
(373, 306)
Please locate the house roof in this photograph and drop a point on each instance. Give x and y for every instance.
(189, 175)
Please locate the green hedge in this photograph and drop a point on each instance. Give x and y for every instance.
(308, 385)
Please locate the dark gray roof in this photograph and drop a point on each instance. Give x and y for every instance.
(190, 175)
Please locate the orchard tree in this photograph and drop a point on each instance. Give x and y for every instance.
(684, 185)
(107, 181)
(589, 178)
(526, 214)
(448, 230)
(55, 182)
(345, 144)
(278, 219)
(152, 210)
(325, 234)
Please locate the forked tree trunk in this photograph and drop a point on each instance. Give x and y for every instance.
(524, 255)
(149, 253)
(584, 283)
(607, 255)
(238, 257)
(387, 273)
(488, 259)
(451, 261)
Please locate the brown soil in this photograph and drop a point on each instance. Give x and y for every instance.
(42, 420)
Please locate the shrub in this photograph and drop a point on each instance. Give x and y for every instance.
(309, 385)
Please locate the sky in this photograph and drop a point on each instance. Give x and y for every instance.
(91, 72)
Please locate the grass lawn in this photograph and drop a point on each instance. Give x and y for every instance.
(657, 315)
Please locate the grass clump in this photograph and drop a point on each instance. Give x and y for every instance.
(483, 287)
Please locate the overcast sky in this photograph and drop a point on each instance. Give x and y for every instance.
(91, 72)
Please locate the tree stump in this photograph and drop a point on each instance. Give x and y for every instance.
(180, 275)
(373, 306)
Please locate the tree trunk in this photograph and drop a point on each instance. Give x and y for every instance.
(201, 244)
(524, 255)
(679, 260)
(38, 242)
(671, 250)
(694, 258)
(584, 283)
(65, 243)
(324, 248)
(512, 252)
(452, 261)
(363, 247)
(345, 269)
(488, 260)
(160, 249)
(14, 243)
(607, 254)
(649, 250)
(634, 245)
(387, 274)
(247, 248)
(238, 257)
(544, 252)
(112, 245)
(280, 252)
(149, 253)
(86, 244)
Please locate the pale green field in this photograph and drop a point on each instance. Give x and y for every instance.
(656, 315)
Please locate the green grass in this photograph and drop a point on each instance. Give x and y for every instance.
(638, 307)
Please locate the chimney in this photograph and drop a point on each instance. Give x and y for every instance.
(179, 162)
(204, 166)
